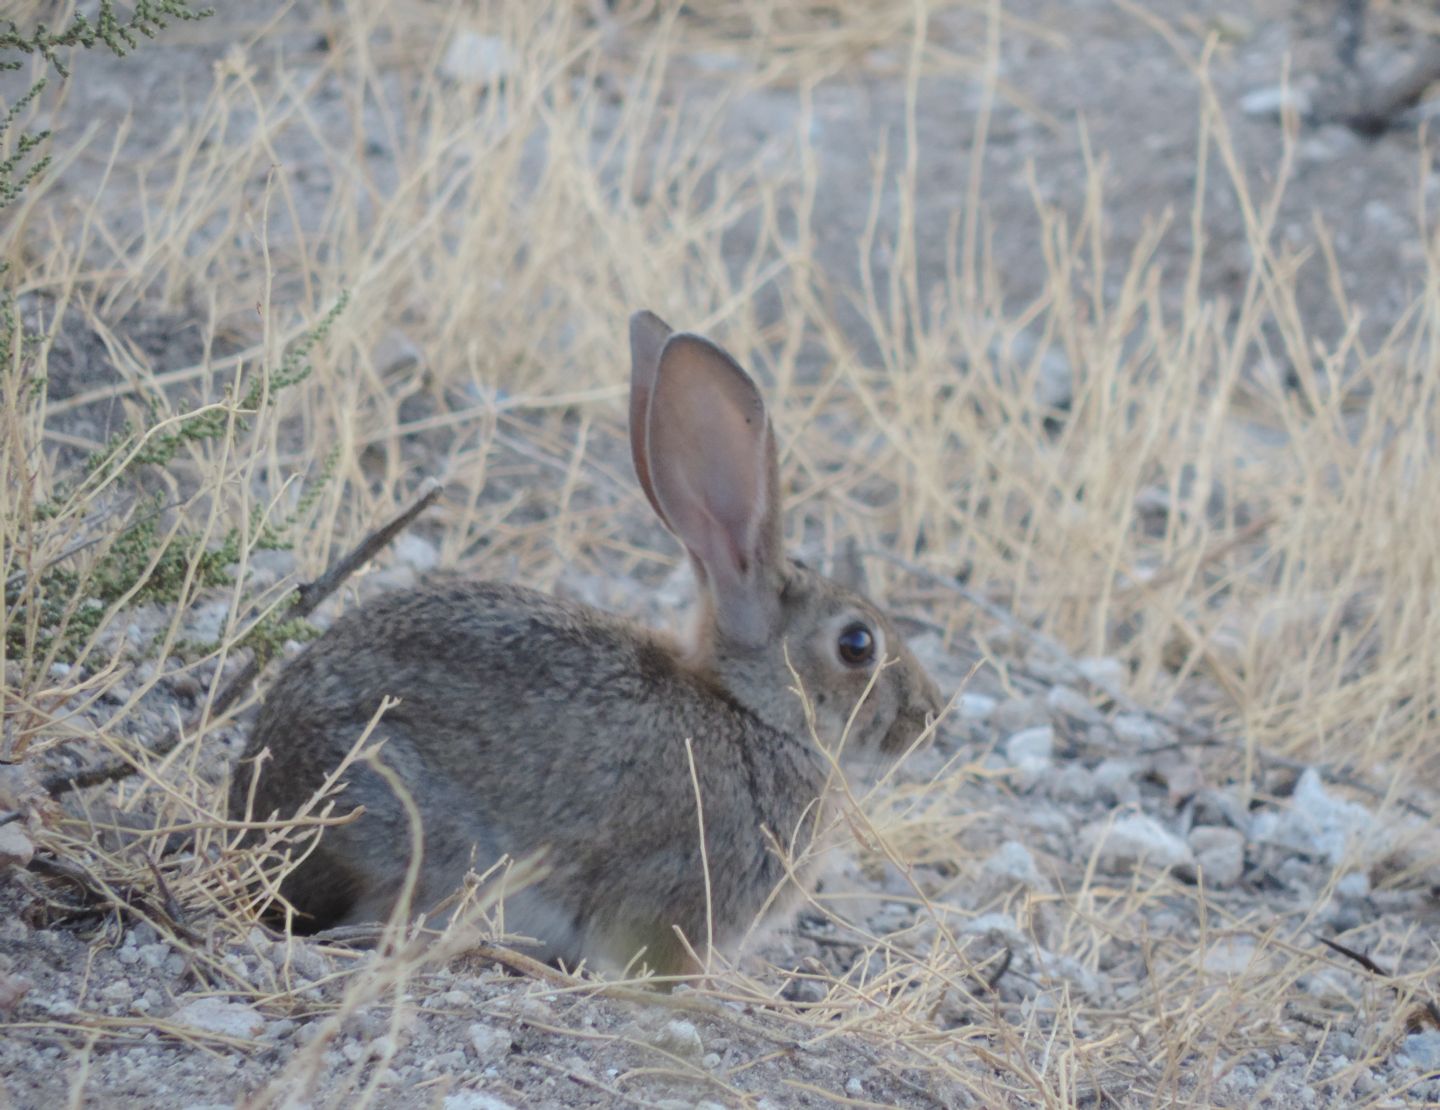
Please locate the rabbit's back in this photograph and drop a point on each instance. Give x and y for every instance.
(526, 722)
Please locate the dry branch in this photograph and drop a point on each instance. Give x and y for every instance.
(308, 597)
(1430, 1009)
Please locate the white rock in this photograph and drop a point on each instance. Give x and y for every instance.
(217, 1015)
(1012, 864)
(206, 623)
(1220, 853)
(1273, 100)
(1115, 780)
(476, 59)
(1133, 840)
(416, 551)
(1029, 753)
(1001, 926)
(1073, 972)
(1055, 387)
(154, 955)
(1015, 714)
(1069, 702)
(1031, 745)
(16, 850)
(1105, 671)
(976, 708)
(1071, 783)
(1054, 377)
(1136, 730)
(304, 960)
(1355, 884)
(490, 1042)
(118, 993)
(1424, 1049)
(1384, 218)
(532, 1007)
(474, 1100)
(1316, 824)
(1229, 956)
(12, 989)
(680, 1038)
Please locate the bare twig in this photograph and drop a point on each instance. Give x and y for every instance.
(308, 597)
(1432, 1011)
(20, 577)
(167, 900)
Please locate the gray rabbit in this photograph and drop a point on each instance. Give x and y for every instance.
(528, 722)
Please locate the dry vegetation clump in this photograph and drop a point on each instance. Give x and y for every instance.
(1178, 542)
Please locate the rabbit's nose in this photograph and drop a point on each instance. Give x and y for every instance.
(928, 699)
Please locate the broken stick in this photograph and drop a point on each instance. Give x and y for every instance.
(307, 599)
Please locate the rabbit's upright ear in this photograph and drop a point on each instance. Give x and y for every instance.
(849, 568)
(712, 464)
(648, 334)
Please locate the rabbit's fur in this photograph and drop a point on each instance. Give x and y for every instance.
(528, 722)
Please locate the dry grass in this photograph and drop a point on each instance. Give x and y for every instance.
(491, 244)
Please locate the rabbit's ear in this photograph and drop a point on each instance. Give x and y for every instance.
(849, 567)
(648, 334)
(712, 460)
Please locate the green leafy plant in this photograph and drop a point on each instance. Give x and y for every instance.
(23, 164)
(53, 614)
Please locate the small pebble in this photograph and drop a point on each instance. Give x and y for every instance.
(1017, 714)
(975, 708)
(1133, 840)
(680, 1038)
(217, 1015)
(1033, 744)
(1424, 1049)
(1105, 671)
(1071, 783)
(1066, 701)
(490, 1042)
(1273, 100)
(1220, 854)
(476, 59)
(1229, 956)
(1115, 780)
(474, 1100)
(1136, 731)
(16, 849)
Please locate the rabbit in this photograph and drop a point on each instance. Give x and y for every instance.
(526, 722)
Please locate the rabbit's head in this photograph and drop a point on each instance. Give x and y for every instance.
(705, 455)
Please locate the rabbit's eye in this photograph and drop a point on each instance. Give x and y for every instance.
(856, 644)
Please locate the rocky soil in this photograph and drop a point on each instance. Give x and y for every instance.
(1110, 864)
